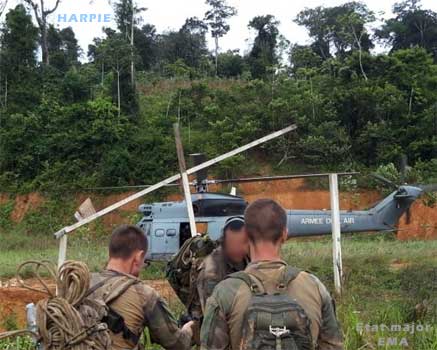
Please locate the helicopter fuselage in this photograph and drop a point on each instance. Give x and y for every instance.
(167, 226)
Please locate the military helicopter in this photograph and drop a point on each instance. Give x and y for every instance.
(167, 226)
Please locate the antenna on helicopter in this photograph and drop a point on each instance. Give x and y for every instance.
(184, 176)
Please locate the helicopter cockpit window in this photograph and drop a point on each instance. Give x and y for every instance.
(171, 232)
(196, 209)
(159, 232)
(222, 208)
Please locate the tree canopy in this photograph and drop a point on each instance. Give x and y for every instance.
(71, 123)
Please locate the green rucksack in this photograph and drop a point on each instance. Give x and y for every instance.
(274, 321)
(182, 269)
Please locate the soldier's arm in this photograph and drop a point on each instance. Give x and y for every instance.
(214, 334)
(163, 326)
(330, 336)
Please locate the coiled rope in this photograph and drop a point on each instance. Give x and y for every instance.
(58, 318)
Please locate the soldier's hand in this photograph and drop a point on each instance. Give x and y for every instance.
(188, 328)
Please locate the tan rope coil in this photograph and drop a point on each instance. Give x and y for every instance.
(59, 321)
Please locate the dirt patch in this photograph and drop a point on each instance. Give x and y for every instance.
(13, 303)
(292, 194)
(25, 203)
(422, 223)
(397, 265)
(13, 299)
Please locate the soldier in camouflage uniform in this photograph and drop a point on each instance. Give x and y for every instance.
(224, 320)
(139, 305)
(231, 256)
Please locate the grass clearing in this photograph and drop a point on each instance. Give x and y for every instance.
(386, 282)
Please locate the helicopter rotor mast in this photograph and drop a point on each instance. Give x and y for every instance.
(171, 179)
(185, 181)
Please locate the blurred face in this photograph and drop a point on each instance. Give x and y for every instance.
(236, 245)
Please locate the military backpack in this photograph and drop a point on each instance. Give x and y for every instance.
(274, 321)
(96, 307)
(182, 270)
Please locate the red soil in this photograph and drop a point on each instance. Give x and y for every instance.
(292, 194)
(13, 299)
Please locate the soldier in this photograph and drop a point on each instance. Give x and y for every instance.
(270, 305)
(136, 305)
(231, 256)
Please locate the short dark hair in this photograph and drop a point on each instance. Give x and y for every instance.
(126, 240)
(265, 220)
(233, 224)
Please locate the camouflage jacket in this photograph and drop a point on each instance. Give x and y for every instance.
(213, 270)
(225, 309)
(140, 306)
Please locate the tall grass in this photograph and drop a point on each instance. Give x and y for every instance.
(386, 281)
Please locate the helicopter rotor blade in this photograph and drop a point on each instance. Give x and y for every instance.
(428, 188)
(103, 188)
(273, 178)
(384, 180)
(171, 179)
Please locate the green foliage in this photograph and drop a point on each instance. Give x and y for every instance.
(70, 125)
(264, 51)
(411, 26)
(5, 214)
(9, 323)
(18, 343)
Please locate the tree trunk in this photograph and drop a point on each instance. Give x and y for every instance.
(410, 102)
(44, 44)
(360, 55)
(103, 73)
(41, 18)
(360, 52)
(216, 55)
(132, 67)
(6, 92)
(312, 99)
(118, 91)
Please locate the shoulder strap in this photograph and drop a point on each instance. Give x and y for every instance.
(290, 273)
(97, 286)
(120, 287)
(246, 278)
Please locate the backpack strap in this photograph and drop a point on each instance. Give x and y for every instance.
(97, 286)
(113, 319)
(290, 273)
(118, 288)
(246, 278)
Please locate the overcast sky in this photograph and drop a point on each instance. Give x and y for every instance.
(171, 14)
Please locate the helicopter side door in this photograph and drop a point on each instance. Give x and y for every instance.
(163, 239)
(171, 239)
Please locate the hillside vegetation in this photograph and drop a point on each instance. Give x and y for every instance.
(69, 124)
